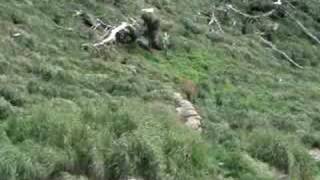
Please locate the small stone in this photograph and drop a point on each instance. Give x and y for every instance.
(315, 154)
(177, 97)
(188, 113)
(192, 123)
(179, 110)
(186, 104)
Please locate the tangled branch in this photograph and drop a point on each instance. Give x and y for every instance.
(111, 34)
(214, 19)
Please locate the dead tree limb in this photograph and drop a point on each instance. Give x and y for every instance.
(111, 36)
(229, 6)
(215, 20)
(287, 57)
(212, 19)
(305, 30)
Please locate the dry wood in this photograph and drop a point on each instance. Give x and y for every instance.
(111, 35)
(215, 20)
(229, 6)
(306, 31)
(287, 57)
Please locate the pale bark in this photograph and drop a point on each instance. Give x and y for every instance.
(215, 20)
(287, 57)
(229, 6)
(111, 37)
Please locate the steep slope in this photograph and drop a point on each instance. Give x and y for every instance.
(71, 111)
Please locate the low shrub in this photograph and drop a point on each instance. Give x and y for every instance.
(5, 108)
(283, 152)
(311, 139)
(193, 27)
(13, 95)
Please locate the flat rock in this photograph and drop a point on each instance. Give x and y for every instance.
(187, 112)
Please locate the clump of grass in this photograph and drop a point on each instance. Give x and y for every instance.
(100, 139)
(15, 164)
(5, 108)
(311, 139)
(282, 152)
(13, 95)
(193, 27)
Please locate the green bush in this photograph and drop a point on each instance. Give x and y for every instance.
(15, 164)
(13, 95)
(221, 133)
(104, 139)
(311, 139)
(270, 148)
(282, 152)
(193, 27)
(5, 108)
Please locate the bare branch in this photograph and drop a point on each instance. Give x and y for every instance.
(287, 57)
(215, 20)
(111, 37)
(306, 31)
(229, 6)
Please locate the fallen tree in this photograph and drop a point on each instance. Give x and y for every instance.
(146, 34)
(113, 34)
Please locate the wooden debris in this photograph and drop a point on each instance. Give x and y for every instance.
(306, 31)
(111, 36)
(287, 57)
(215, 20)
(229, 6)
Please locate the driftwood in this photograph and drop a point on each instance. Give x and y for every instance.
(287, 57)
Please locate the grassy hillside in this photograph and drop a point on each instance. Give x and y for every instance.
(70, 111)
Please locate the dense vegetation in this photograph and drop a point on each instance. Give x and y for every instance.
(69, 111)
